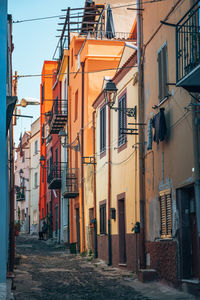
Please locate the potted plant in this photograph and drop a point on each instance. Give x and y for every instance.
(17, 227)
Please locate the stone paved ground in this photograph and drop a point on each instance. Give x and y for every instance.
(47, 272)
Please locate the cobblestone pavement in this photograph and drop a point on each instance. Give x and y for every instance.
(47, 272)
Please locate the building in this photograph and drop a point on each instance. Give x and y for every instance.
(171, 155)
(6, 161)
(22, 194)
(117, 169)
(34, 176)
(63, 77)
(49, 67)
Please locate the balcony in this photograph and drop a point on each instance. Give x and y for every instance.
(71, 186)
(54, 177)
(20, 193)
(58, 116)
(188, 50)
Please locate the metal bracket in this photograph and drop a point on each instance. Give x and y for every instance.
(132, 131)
(89, 160)
(130, 112)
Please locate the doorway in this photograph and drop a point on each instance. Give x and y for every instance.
(78, 229)
(188, 236)
(122, 232)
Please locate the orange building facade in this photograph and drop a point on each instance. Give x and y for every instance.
(86, 57)
(46, 93)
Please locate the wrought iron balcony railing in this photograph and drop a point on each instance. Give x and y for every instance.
(54, 176)
(71, 186)
(58, 116)
(20, 193)
(188, 50)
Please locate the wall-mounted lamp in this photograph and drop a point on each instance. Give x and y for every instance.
(42, 161)
(30, 101)
(62, 134)
(42, 164)
(110, 93)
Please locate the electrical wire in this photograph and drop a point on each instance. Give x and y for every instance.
(87, 72)
(37, 19)
(58, 16)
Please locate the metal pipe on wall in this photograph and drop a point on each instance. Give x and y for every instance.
(141, 132)
(82, 154)
(109, 191)
(3, 143)
(94, 187)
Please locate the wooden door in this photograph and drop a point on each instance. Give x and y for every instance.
(122, 232)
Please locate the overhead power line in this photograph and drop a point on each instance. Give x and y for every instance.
(89, 72)
(38, 19)
(61, 16)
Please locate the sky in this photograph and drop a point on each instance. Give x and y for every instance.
(34, 42)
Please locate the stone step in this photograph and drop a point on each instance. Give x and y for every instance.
(145, 275)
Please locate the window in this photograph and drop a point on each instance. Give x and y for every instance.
(162, 73)
(42, 93)
(36, 147)
(36, 180)
(72, 58)
(165, 214)
(42, 134)
(103, 129)
(76, 106)
(23, 157)
(35, 217)
(121, 120)
(103, 219)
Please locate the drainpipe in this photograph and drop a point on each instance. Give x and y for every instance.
(12, 191)
(195, 118)
(82, 154)
(94, 188)
(3, 143)
(141, 133)
(109, 195)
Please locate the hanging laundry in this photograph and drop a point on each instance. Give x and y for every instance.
(159, 125)
(162, 125)
(155, 123)
(150, 135)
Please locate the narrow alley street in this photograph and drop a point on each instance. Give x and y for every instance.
(50, 272)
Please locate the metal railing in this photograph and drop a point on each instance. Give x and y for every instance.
(188, 42)
(105, 35)
(72, 185)
(59, 108)
(20, 194)
(53, 172)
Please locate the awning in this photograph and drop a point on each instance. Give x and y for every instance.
(110, 28)
(10, 105)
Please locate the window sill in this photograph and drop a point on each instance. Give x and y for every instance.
(122, 147)
(163, 101)
(102, 154)
(163, 239)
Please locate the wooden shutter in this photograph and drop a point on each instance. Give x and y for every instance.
(102, 129)
(164, 65)
(121, 120)
(165, 214)
(163, 227)
(160, 88)
(169, 214)
(162, 73)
